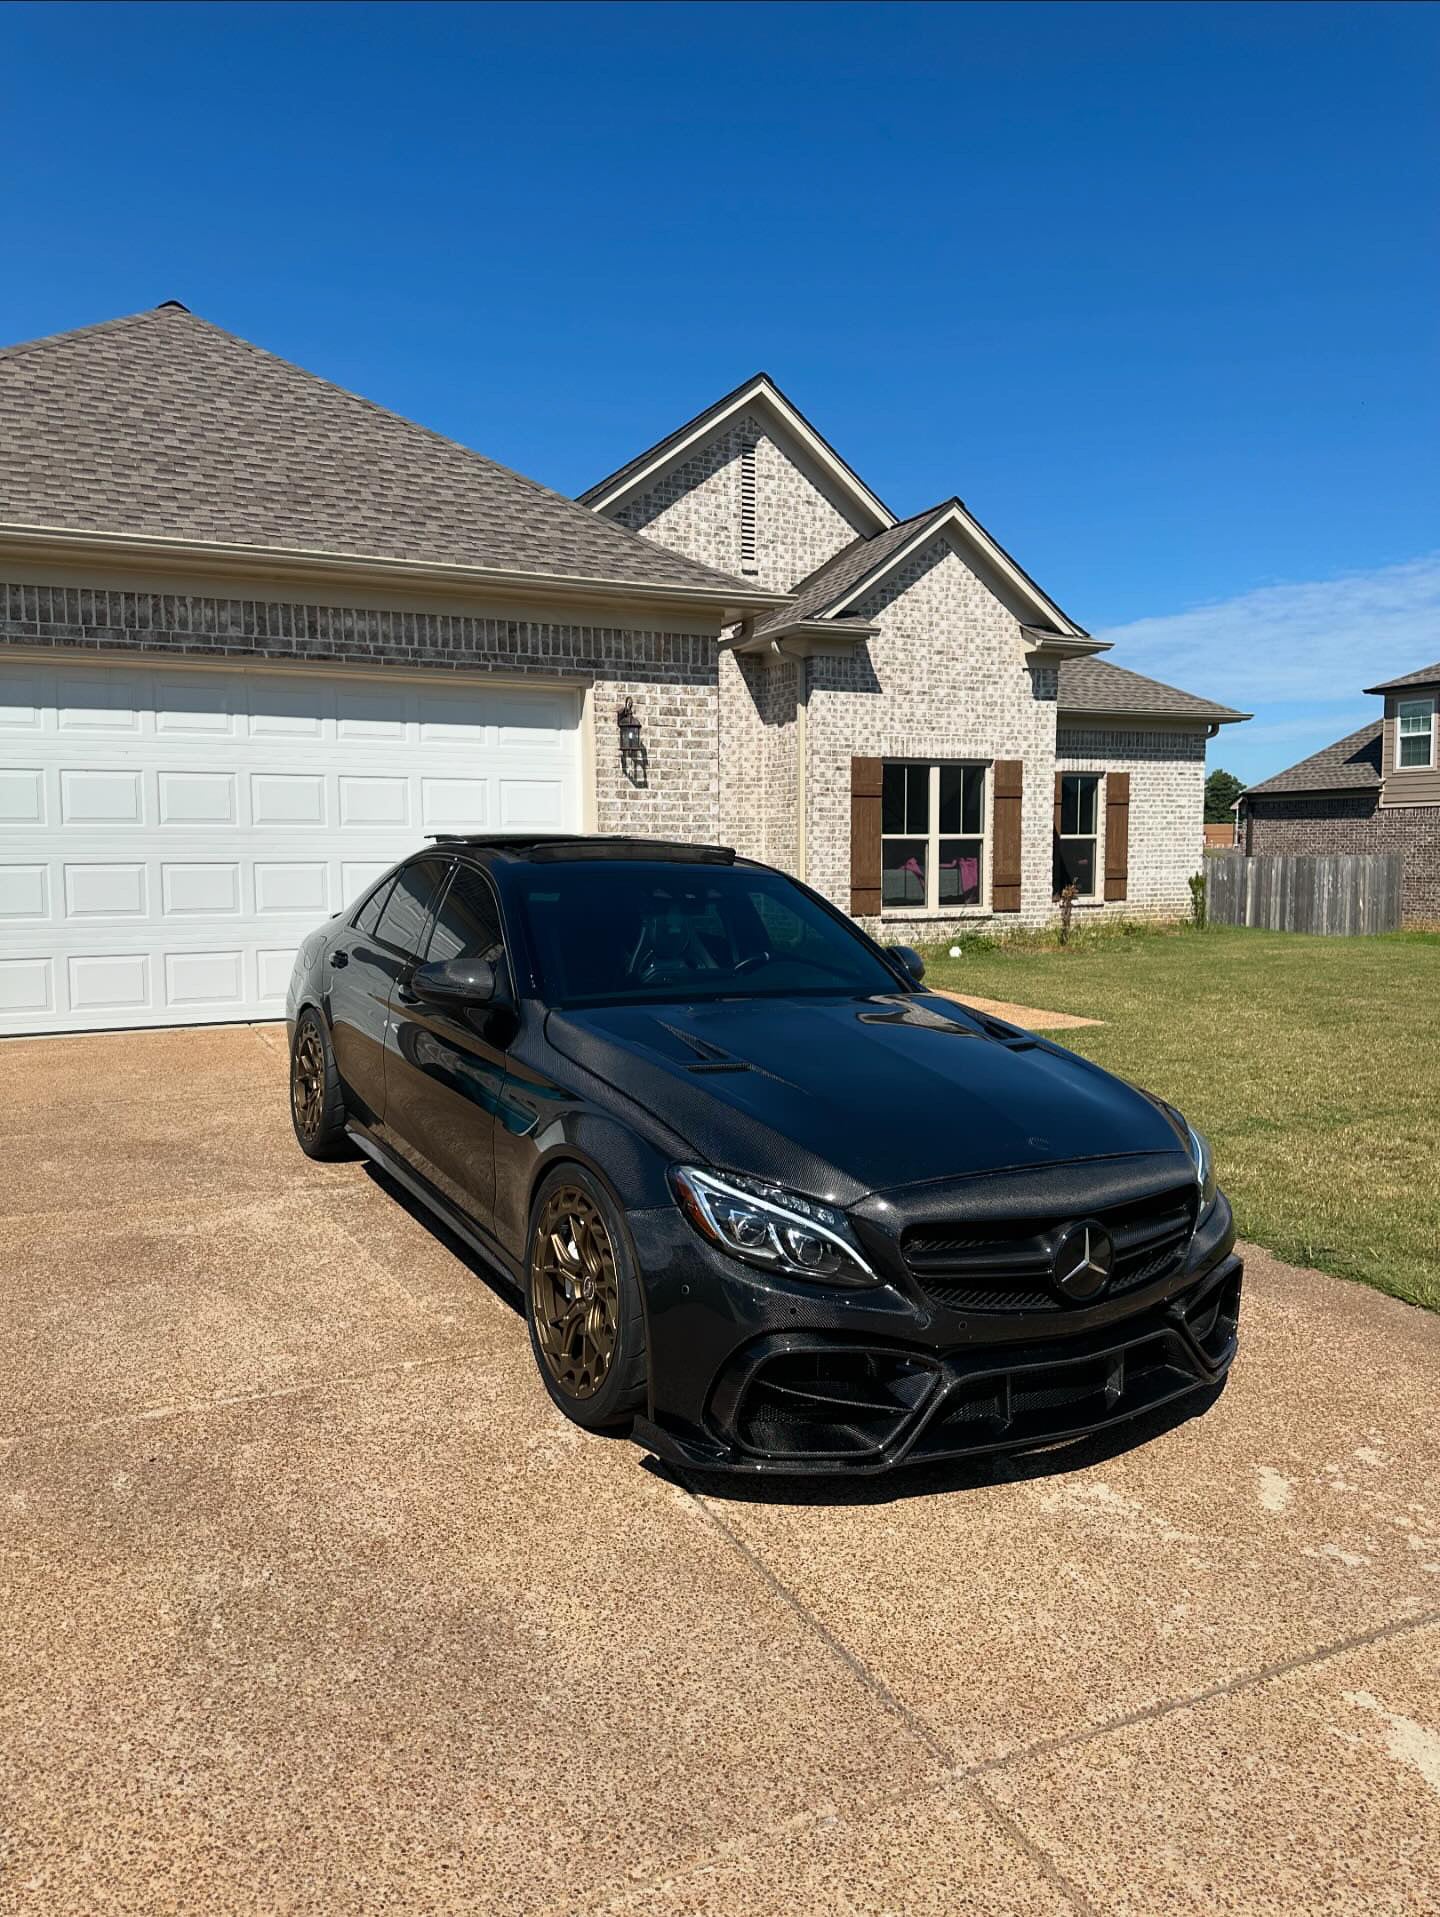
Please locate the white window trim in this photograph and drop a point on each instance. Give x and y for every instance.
(1096, 894)
(1422, 699)
(932, 908)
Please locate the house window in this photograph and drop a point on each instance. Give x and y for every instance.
(932, 843)
(1415, 732)
(1076, 839)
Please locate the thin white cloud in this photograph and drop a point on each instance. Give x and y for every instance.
(1317, 642)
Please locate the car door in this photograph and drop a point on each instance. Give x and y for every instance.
(445, 1066)
(382, 945)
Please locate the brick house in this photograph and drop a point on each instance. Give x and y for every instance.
(258, 636)
(1378, 790)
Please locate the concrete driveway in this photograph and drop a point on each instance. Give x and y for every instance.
(309, 1601)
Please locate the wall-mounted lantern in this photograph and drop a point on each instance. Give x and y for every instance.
(632, 747)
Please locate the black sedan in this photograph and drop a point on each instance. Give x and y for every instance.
(771, 1204)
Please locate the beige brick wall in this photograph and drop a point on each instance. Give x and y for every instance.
(694, 508)
(946, 678)
(759, 812)
(1167, 810)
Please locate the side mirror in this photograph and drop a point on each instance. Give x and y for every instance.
(455, 982)
(909, 958)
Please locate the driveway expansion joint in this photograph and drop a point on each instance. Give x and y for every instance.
(1014, 1833)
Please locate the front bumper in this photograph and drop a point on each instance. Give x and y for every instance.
(758, 1375)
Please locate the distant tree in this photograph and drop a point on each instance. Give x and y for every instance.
(1222, 789)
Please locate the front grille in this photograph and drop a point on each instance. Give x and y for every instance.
(1004, 1265)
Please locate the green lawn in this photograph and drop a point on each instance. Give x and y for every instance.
(1312, 1064)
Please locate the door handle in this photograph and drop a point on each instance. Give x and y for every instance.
(339, 960)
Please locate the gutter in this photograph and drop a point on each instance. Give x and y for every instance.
(80, 547)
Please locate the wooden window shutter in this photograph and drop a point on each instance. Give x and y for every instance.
(1117, 834)
(1005, 858)
(867, 778)
(1059, 796)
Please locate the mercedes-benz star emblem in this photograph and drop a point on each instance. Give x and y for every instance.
(1081, 1261)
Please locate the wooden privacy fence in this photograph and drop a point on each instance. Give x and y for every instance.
(1303, 892)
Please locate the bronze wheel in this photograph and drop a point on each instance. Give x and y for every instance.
(307, 1082)
(575, 1292)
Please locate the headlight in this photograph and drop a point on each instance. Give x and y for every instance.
(1204, 1164)
(767, 1226)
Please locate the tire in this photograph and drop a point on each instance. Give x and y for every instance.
(317, 1104)
(590, 1349)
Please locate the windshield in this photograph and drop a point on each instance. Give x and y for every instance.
(609, 932)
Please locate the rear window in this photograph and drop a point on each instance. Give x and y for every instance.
(406, 912)
(368, 917)
(604, 933)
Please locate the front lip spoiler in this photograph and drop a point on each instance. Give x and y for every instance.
(1188, 1366)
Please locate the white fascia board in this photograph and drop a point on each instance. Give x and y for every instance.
(1141, 721)
(758, 389)
(956, 517)
(809, 633)
(68, 546)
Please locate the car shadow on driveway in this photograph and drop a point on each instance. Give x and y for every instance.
(955, 1475)
(489, 1275)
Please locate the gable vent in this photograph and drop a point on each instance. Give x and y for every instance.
(747, 507)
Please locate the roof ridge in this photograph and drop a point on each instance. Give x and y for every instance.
(114, 325)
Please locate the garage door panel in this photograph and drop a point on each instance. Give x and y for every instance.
(24, 892)
(110, 982)
(197, 798)
(208, 979)
(197, 890)
(104, 796)
(106, 891)
(289, 708)
(100, 702)
(162, 857)
(369, 714)
(366, 802)
(287, 798)
(27, 987)
(201, 706)
(292, 885)
(455, 805)
(24, 700)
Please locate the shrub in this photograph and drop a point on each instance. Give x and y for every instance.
(1197, 900)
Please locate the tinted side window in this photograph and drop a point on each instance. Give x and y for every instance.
(368, 917)
(467, 926)
(407, 910)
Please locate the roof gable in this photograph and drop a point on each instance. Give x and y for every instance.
(762, 395)
(162, 427)
(833, 588)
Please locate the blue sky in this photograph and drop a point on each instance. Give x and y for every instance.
(1153, 288)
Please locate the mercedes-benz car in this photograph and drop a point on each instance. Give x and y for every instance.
(771, 1204)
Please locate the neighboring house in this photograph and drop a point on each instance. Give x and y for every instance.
(258, 636)
(1219, 838)
(1376, 791)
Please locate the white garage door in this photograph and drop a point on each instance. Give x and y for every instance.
(167, 836)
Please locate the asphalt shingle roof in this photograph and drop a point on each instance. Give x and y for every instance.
(1094, 685)
(1350, 765)
(1426, 676)
(829, 584)
(161, 424)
